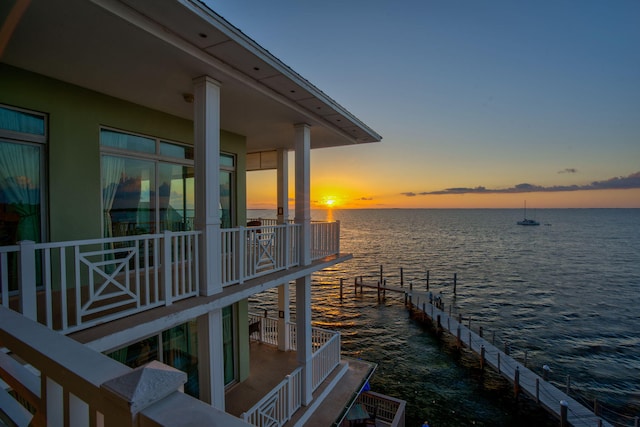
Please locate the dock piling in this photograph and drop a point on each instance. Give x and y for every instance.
(341, 284)
(401, 277)
(455, 282)
(427, 280)
(564, 406)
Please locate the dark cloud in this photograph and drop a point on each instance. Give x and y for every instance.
(623, 182)
(569, 170)
(365, 198)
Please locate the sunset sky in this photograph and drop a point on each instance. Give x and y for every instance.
(479, 103)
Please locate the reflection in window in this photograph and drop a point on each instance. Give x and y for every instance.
(143, 195)
(22, 138)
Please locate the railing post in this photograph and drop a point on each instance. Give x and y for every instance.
(166, 268)
(563, 413)
(27, 279)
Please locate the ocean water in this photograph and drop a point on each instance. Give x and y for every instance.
(566, 293)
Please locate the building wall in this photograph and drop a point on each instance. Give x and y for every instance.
(73, 151)
(75, 115)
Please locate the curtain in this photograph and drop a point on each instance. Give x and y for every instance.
(20, 187)
(18, 121)
(112, 171)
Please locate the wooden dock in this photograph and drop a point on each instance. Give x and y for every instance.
(568, 410)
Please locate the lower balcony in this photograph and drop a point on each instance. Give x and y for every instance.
(272, 394)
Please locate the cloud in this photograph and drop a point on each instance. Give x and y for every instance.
(365, 198)
(617, 183)
(569, 170)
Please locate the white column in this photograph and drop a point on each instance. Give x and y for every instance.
(206, 122)
(283, 186)
(303, 329)
(284, 317)
(284, 314)
(303, 284)
(303, 189)
(211, 359)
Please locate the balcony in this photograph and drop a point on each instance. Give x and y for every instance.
(271, 394)
(71, 286)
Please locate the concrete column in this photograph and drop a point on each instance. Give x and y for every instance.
(303, 329)
(284, 317)
(283, 216)
(211, 359)
(283, 186)
(206, 100)
(303, 189)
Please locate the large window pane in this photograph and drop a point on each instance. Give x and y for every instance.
(128, 196)
(176, 197)
(180, 351)
(20, 196)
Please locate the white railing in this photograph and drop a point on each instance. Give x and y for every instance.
(250, 252)
(49, 379)
(263, 329)
(325, 239)
(69, 286)
(388, 409)
(326, 356)
(325, 236)
(277, 407)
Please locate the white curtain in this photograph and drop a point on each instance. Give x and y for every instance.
(112, 173)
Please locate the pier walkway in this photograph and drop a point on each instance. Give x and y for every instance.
(523, 379)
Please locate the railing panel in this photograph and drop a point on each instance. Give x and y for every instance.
(250, 252)
(277, 407)
(83, 283)
(388, 409)
(325, 239)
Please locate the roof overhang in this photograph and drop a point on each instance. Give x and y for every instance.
(149, 52)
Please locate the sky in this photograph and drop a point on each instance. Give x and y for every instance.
(481, 104)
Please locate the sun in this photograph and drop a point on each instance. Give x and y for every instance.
(329, 201)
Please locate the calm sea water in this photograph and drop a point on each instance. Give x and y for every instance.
(566, 292)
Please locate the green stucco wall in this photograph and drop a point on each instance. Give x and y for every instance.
(73, 168)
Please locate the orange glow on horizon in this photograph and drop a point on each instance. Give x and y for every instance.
(261, 194)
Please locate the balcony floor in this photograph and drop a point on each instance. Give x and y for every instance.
(269, 366)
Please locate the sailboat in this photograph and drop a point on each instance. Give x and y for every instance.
(526, 221)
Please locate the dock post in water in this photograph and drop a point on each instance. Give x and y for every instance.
(563, 413)
(482, 351)
(381, 272)
(455, 282)
(516, 382)
(341, 284)
(427, 280)
(401, 277)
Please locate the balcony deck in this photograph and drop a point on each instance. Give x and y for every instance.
(269, 366)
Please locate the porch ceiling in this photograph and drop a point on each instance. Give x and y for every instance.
(149, 52)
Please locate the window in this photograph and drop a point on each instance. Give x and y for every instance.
(227, 184)
(147, 184)
(23, 137)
